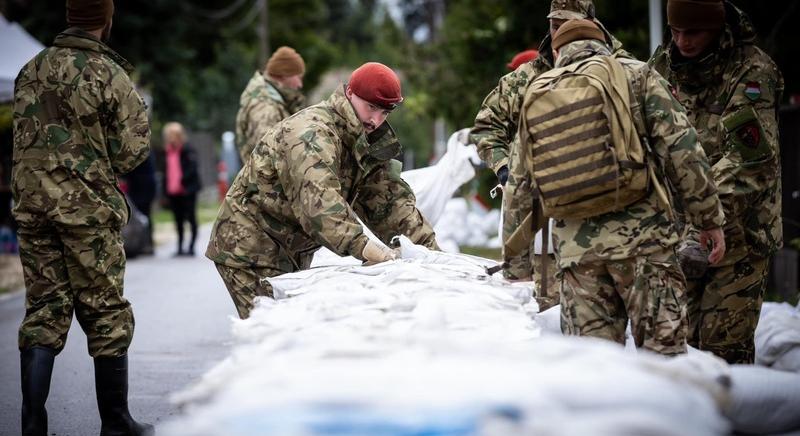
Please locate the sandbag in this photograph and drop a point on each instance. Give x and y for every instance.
(764, 400)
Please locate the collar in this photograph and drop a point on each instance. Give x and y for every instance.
(580, 50)
(79, 39)
(381, 144)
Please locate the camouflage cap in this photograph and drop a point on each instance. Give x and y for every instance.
(571, 9)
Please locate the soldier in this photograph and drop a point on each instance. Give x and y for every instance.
(78, 124)
(522, 57)
(731, 90)
(621, 265)
(309, 180)
(269, 97)
(495, 133)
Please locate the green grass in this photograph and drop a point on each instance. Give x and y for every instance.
(488, 253)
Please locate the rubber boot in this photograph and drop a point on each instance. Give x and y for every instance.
(36, 367)
(111, 383)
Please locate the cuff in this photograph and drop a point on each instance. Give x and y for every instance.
(357, 246)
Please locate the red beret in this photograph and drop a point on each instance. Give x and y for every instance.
(377, 84)
(522, 57)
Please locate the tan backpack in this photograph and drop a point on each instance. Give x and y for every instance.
(583, 148)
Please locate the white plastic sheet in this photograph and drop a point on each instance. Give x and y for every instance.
(431, 345)
(435, 185)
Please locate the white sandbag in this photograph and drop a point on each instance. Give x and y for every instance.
(432, 345)
(778, 337)
(763, 400)
(466, 222)
(435, 185)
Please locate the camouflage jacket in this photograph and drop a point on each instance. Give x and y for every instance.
(262, 105)
(78, 124)
(644, 226)
(308, 181)
(732, 97)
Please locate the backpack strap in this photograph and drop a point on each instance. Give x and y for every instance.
(639, 116)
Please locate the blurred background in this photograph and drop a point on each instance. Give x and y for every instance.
(193, 58)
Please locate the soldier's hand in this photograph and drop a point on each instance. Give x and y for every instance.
(717, 238)
(376, 253)
(502, 175)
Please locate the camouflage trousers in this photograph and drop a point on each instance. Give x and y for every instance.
(245, 284)
(546, 298)
(724, 307)
(74, 269)
(598, 299)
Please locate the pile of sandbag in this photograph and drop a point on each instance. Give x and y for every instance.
(432, 345)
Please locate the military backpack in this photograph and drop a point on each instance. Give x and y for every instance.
(584, 150)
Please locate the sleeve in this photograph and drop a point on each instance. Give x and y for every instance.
(388, 206)
(313, 188)
(129, 132)
(750, 158)
(678, 152)
(517, 204)
(496, 123)
(259, 118)
(190, 169)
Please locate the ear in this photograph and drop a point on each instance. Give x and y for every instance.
(555, 54)
(348, 92)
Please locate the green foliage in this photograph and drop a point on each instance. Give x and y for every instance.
(6, 117)
(195, 56)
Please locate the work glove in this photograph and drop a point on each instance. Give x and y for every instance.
(502, 175)
(376, 253)
(693, 260)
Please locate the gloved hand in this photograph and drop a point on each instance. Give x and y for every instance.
(376, 253)
(693, 260)
(502, 175)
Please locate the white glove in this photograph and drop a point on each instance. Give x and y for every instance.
(376, 253)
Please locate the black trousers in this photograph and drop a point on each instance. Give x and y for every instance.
(184, 208)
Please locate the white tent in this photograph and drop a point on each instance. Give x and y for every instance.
(17, 47)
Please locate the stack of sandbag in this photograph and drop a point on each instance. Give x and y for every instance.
(430, 344)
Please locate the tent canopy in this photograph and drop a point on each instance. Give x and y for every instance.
(17, 47)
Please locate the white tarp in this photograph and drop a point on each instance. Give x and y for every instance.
(430, 345)
(17, 47)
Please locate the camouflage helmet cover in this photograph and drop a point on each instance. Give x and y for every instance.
(571, 9)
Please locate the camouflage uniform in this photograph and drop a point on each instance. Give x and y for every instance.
(308, 181)
(731, 96)
(263, 104)
(622, 265)
(495, 134)
(78, 124)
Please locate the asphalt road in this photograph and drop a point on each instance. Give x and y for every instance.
(182, 313)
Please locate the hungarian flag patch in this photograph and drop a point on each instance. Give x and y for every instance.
(752, 90)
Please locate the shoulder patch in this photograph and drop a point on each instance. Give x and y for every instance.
(750, 134)
(752, 90)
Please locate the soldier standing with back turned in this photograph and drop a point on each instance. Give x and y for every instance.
(78, 124)
(615, 246)
(731, 90)
(495, 134)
